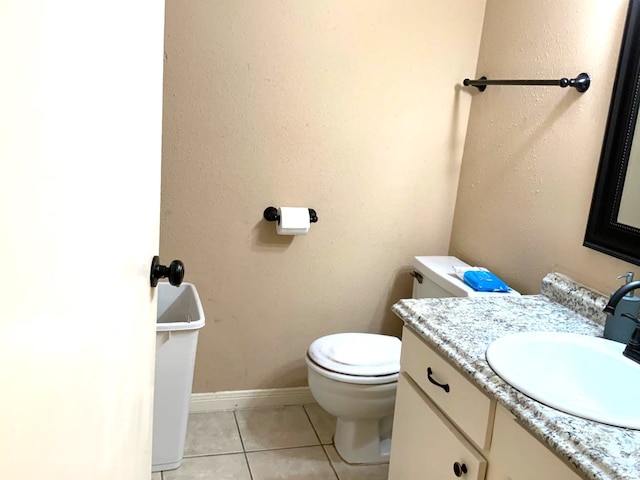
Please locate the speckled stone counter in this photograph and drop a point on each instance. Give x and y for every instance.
(461, 329)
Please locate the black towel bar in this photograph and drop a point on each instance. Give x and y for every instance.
(581, 83)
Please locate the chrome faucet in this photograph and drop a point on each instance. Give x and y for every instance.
(632, 349)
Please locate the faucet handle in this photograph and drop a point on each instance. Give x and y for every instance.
(632, 350)
(628, 315)
(628, 276)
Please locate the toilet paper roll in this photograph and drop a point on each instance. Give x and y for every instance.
(293, 221)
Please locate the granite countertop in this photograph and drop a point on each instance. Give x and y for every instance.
(461, 329)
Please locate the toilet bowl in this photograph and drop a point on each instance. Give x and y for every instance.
(354, 376)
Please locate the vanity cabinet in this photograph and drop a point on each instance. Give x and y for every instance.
(446, 428)
(460, 400)
(430, 446)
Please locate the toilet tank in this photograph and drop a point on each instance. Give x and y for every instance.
(434, 277)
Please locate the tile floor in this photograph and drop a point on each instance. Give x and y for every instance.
(279, 443)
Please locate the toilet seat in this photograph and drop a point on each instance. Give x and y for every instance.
(353, 379)
(358, 355)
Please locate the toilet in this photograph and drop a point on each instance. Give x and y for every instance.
(354, 376)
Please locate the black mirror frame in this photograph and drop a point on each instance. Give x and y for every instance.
(604, 233)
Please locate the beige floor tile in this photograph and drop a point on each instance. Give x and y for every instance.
(156, 476)
(278, 427)
(308, 463)
(212, 433)
(323, 422)
(217, 467)
(356, 472)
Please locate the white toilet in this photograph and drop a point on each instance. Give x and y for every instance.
(354, 376)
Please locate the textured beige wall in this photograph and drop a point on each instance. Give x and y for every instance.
(352, 108)
(531, 154)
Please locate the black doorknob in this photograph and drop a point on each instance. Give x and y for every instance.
(174, 272)
(459, 469)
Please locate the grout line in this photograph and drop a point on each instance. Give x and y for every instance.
(244, 452)
(335, 472)
(312, 425)
(246, 460)
(235, 419)
(324, 447)
(283, 448)
(215, 454)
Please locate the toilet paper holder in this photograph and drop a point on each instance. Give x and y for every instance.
(270, 214)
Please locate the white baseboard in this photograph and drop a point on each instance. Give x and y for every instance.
(231, 400)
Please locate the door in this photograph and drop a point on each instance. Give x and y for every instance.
(80, 143)
(519, 456)
(425, 445)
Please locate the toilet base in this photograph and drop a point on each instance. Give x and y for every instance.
(364, 440)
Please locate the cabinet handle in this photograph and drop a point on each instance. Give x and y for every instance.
(444, 386)
(459, 469)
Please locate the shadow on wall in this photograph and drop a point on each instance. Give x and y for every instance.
(292, 375)
(265, 236)
(402, 288)
(454, 139)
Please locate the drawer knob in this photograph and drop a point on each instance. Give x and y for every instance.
(444, 386)
(459, 469)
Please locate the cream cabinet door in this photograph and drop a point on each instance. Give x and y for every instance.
(425, 445)
(517, 455)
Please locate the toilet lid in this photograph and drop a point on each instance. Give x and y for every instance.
(361, 354)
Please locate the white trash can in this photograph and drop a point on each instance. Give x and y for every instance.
(180, 316)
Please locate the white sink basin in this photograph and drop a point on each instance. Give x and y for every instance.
(577, 374)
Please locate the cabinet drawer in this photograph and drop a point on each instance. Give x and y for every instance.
(464, 404)
(523, 457)
(425, 444)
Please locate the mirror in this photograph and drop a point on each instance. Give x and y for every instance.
(629, 212)
(614, 220)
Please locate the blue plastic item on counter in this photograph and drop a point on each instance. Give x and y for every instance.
(483, 281)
